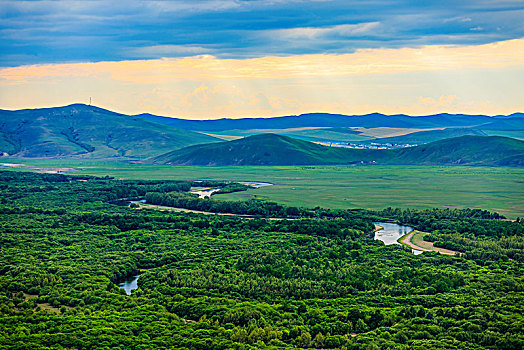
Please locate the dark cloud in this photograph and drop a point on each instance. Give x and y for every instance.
(78, 31)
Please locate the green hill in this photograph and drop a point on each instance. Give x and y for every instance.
(270, 149)
(465, 150)
(87, 131)
(263, 149)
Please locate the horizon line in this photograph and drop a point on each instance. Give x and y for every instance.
(262, 117)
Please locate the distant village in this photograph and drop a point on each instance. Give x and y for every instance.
(370, 145)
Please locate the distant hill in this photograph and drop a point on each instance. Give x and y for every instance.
(510, 123)
(430, 136)
(373, 120)
(86, 131)
(269, 149)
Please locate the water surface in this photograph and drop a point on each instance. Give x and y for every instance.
(255, 184)
(392, 233)
(129, 284)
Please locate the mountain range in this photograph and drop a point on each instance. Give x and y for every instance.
(81, 131)
(338, 120)
(376, 127)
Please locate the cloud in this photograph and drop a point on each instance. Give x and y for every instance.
(206, 67)
(343, 30)
(458, 19)
(217, 99)
(448, 103)
(430, 79)
(38, 32)
(159, 51)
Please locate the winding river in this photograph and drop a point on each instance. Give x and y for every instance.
(392, 233)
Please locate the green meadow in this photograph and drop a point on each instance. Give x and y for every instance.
(500, 189)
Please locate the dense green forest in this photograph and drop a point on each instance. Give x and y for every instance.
(313, 279)
(478, 233)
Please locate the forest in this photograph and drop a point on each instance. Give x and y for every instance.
(285, 277)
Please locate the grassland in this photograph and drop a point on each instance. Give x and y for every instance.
(494, 188)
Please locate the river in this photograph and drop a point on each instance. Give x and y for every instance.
(208, 192)
(255, 184)
(392, 233)
(129, 284)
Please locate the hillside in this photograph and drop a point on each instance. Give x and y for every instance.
(465, 150)
(269, 149)
(87, 131)
(264, 149)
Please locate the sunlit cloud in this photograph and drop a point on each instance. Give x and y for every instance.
(429, 79)
(364, 61)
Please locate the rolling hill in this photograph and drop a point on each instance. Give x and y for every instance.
(83, 131)
(263, 149)
(325, 127)
(465, 150)
(270, 149)
(86, 131)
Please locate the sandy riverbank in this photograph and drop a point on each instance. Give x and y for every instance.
(417, 237)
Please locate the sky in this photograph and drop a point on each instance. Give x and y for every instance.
(209, 59)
